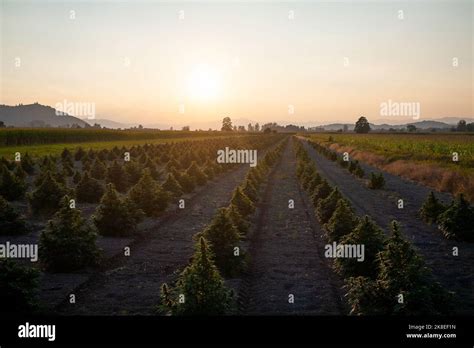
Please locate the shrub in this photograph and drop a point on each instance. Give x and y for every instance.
(79, 154)
(98, 170)
(76, 178)
(364, 296)
(327, 206)
(46, 198)
(431, 209)
(366, 233)
(116, 216)
(148, 195)
(134, 172)
(313, 184)
(11, 222)
(27, 164)
(376, 181)
(342, 222)
(197, 174)
(201, 286)
(239, 222)
(20, 173)
(356, 169)
(172, 186)
(243, 204)
(186, 182)
(322, 191)
(89, 189)
(117, 176)
(223, 237)
(457, 222)
(402, 271)
(68, 242)
(18, 287)
(359, 172)
(11, 186)
(250, 191)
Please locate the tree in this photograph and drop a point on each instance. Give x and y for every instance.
(116, 216)
(250, 127)
(69, 242)
(411, 128)
(457, 221)
(431, 209)
(366, 233)
(341, 223)
(226, 124)
(243, 204)
(462, 126)
(362, 125)
(257, 127)
(200, 286)
(2, 124)
(11, 222)
(223, 237)
(148, 195)
(89, 190)
(18, 287)
(46, 198)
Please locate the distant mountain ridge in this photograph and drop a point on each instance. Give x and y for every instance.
(428, 124)
(36, 115)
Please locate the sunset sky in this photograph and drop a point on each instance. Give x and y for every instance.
(149, 61)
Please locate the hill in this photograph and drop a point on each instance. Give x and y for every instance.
(36, 115)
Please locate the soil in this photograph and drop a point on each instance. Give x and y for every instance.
(287, 254)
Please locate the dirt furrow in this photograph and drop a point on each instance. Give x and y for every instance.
(287, 254)
(454, 272)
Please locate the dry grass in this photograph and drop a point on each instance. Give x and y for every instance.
(430, 174)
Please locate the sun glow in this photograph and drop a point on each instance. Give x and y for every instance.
(204, 83)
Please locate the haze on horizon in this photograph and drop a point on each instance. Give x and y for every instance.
(184, 63)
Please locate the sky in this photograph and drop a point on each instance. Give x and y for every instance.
(191, 62)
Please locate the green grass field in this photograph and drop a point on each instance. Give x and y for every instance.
(436, 147)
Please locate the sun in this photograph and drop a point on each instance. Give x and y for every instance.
(204, 83)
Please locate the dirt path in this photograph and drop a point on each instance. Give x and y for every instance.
(132, 287)
(454, 272)
(287, 254)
